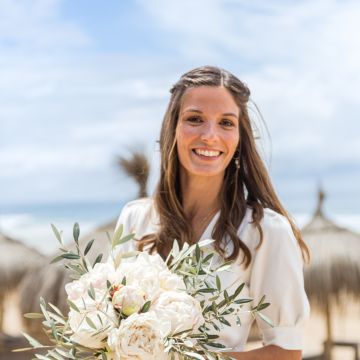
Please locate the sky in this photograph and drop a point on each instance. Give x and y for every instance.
(84, 81)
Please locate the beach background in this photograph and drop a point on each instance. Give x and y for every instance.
(84, 82)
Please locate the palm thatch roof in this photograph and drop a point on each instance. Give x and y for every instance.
(136, 166)
(335, 265)
(16, 259)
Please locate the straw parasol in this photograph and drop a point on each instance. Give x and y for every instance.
(16, 260)
(335, 266)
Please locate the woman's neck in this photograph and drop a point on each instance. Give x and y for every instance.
(200, 195)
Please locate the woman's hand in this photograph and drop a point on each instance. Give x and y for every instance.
(269, 352)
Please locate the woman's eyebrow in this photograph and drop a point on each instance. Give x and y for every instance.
(200, 112)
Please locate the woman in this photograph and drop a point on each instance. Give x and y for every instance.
(213, 184)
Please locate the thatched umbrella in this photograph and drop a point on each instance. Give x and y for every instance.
(16, 260)
(335, 265)
(49, 280)
(136, 166)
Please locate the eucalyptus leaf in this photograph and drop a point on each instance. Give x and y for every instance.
(262, 306)
(34, 316)
(91, 291)
(205, 242)
(73, 306)
(117, 235)
(218, 283)
(57, 233)
(146, 307)
(76, 232)
(90, 322)
(217, 345)
(57, 259)
(98, 259)
(33, 342)
(88, 246)
(70, 256)
(197, 253)
(123, 240)
(238, 290)
(265, 318)
(194, 355)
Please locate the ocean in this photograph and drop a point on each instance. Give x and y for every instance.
(30, 223)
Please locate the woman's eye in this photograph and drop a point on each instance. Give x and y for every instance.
(194, 120)
(227, 123)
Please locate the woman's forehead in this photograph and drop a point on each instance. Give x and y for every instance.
(209, 98)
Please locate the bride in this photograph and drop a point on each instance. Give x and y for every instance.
(213, 184)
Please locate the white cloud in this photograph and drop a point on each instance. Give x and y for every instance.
(32, 159)
(36, 25)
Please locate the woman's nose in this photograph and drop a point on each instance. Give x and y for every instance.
(209, 132)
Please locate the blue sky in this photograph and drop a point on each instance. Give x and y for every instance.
(82, 81)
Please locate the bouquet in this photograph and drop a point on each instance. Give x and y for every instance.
(138, 306)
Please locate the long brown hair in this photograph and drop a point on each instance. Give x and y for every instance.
(248, 185)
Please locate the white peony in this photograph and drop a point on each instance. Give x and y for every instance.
(139, 337)
(171, 281)
(150, 273)
(100, 314)
(128, 299)
(76, 289)
(182, 310)
(97, 277)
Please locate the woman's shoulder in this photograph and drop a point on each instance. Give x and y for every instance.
(274, 220)
(270, 219)
(139, 205)
(278, 238)
(273, 224)
(137, 215)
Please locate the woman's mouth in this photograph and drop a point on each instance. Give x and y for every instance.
(208, 154)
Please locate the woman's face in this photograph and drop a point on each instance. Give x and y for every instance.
(207, 134)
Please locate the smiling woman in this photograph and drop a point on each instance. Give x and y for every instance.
(213, 184)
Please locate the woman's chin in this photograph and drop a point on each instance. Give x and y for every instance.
(205, 172)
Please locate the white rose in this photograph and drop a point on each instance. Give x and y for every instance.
(182, 310)
(139, 337)
(101, 314)
(128, 299)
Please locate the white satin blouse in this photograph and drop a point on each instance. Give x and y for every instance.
(276, 271)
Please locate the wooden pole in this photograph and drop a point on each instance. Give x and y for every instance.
(2, 298)
(329, 340)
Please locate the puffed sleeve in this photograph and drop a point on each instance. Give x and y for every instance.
(277, 273)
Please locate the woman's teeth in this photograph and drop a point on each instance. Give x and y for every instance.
(208, 153)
